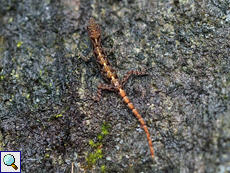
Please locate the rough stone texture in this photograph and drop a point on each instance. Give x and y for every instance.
(46, 109)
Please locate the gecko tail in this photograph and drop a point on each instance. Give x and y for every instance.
(122, 93)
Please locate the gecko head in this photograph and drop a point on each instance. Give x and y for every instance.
(93, 28)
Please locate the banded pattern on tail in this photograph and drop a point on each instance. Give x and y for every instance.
(122, 93)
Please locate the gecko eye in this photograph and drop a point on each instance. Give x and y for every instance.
(97, 28)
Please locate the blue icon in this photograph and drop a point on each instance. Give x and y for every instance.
(9, 160)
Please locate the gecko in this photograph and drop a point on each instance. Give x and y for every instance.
(110, 75)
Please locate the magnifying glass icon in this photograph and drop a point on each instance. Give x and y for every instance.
(9, 160)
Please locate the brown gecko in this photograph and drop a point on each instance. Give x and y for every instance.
(110, 74)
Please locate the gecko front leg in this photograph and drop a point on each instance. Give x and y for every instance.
(101, 87)
(85, 58)
(129, 73)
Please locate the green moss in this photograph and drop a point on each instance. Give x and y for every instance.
(103, 168)
(19, 43)
(105, 128)
(100, 137)
(93, 157)
(47, 155)
(97, 154)
(95, 145)
(59, 115)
